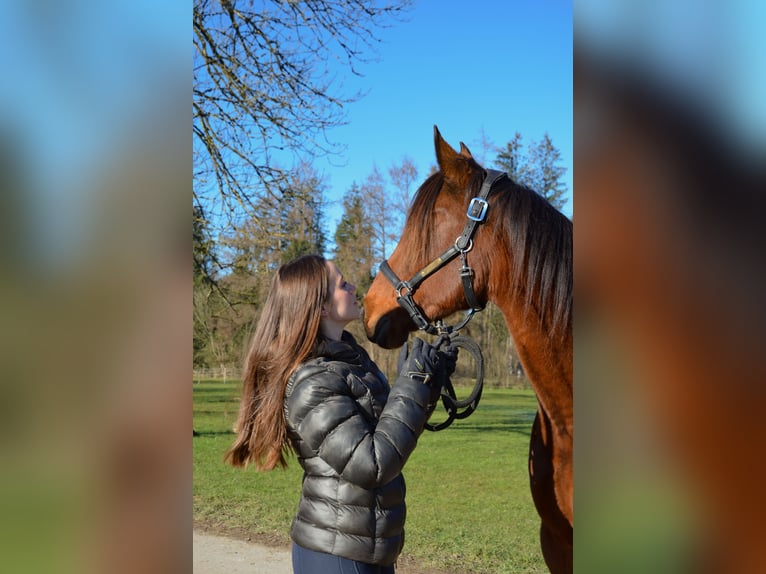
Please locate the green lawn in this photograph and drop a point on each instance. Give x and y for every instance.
(468, 503)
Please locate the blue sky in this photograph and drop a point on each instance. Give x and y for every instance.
(76, 99)
(500, 67)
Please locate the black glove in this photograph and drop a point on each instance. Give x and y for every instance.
(402, 358)
(422, 363)
(448, 362)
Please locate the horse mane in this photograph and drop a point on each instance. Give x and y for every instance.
(540, 244)
(539, 240)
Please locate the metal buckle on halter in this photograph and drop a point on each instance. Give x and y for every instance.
(477, 209)
(466, 271)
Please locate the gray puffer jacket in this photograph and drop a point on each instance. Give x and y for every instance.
(352, 435)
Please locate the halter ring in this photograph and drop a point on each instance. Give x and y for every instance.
(402, 287)
(467, 247)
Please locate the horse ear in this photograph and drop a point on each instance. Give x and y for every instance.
(453, 165)
(444, 152)
(464, 151)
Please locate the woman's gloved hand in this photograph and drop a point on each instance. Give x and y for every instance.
(426, 363)
(448, 362)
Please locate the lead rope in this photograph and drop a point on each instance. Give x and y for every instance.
(448, 396)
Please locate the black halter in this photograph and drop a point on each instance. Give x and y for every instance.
(476, 214)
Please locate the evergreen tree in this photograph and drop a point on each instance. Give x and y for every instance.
(512, 161)
(537, 170)
(545, 173)
(353, 241)
(302, 214)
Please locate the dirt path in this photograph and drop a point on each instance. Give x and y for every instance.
(223, 555)
(217, 554)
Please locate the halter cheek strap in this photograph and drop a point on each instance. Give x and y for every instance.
(477, 209)
(476, 214)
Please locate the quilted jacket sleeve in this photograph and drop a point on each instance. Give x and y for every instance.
(332, 424)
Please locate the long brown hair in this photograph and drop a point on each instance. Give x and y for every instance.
(286, 334)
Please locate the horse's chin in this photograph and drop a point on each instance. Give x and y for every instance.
(391, 330)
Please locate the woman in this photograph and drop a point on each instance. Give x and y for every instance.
(311, 389)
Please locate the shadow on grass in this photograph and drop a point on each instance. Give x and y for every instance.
(202, 433)
(523, 430)
(520, 423)
(220, 389)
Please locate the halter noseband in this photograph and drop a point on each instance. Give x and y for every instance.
(476, 214)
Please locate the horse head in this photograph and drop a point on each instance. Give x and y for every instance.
(435, 220)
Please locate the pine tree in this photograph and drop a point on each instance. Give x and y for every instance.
(302, 214)
(512, 160)
(353, 241)
(546, 174)
(537, 170)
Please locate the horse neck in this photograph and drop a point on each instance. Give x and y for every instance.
(546, 357)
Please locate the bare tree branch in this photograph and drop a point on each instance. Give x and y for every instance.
(265, 84)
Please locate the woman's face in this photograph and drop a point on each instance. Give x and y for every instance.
(341, 306)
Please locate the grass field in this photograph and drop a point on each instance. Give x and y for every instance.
(469, 508)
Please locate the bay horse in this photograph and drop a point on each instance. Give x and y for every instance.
(521, 256)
